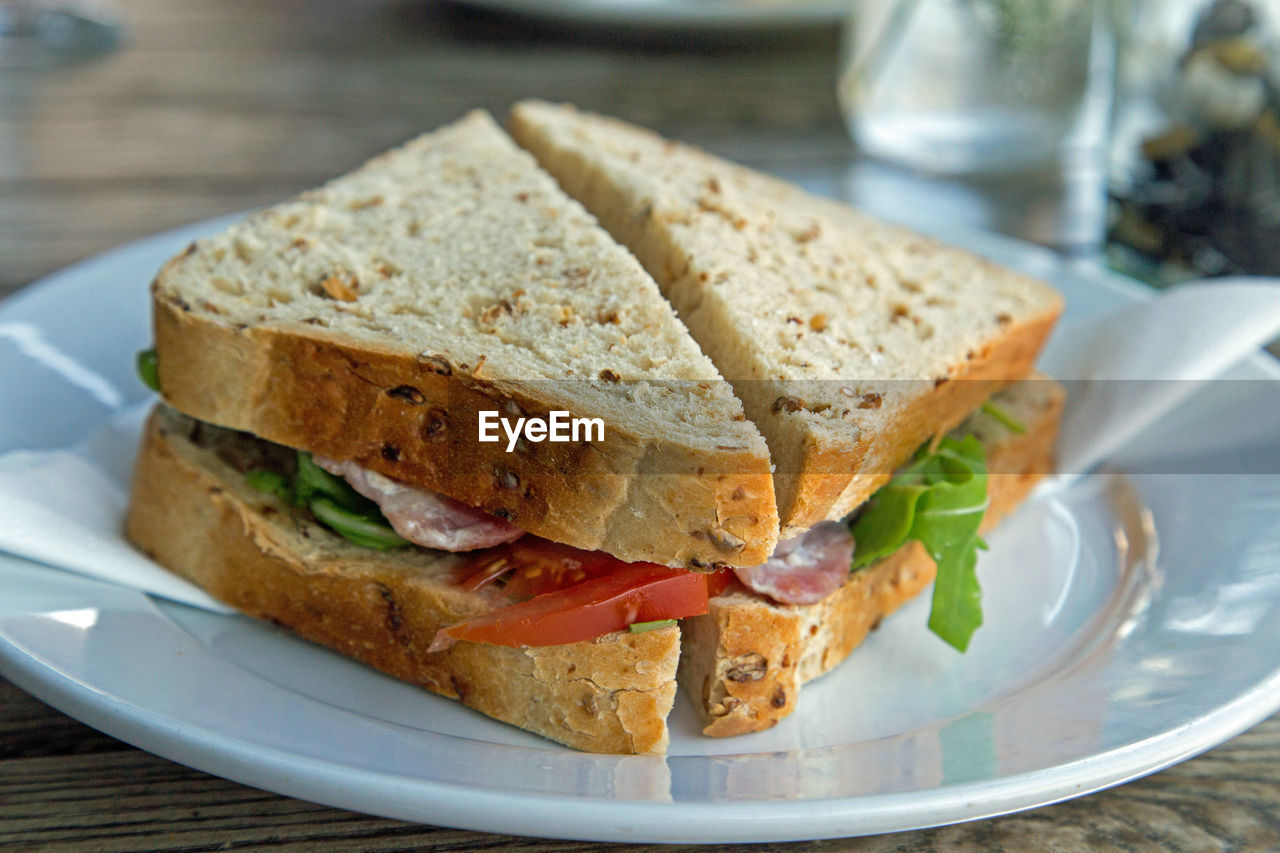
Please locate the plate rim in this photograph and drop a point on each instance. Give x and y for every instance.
(673, 17)
(478, 809)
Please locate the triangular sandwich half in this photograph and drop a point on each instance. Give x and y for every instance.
(370, 321)
(850, 341)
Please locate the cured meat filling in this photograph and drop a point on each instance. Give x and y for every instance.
(424, 517)
(804, 569)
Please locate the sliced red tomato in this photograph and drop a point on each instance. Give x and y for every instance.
(532, 566)
(629, 593)
(719, 581)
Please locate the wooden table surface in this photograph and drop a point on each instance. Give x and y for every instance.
(222, 105)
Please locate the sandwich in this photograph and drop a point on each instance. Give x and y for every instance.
(490, 420)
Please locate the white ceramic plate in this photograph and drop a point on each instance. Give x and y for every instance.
(1097, 663)
(687, 15)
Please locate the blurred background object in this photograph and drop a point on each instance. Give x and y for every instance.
(218, 106)
(988, 113)
(966, 86)
(1195, 169)
(695, 16)
(36, 34)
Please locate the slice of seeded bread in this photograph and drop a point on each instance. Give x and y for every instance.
(849, 341)
(373, 318)
(743, 664)
(193, 512)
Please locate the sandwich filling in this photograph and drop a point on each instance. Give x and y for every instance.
(939, 499)
(802, 570)
(806, 568)
(422, 516)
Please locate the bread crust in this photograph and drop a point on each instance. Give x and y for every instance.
(743, 663)
(416, 419)
(196, 516)
(933, 411)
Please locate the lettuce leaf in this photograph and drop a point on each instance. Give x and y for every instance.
(331, 500)
(938, 500)
(1001, 415)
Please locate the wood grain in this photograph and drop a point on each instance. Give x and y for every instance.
(224, 105)
(221, 106)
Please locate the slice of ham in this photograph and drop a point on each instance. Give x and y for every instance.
(806, 568)
(424, 517)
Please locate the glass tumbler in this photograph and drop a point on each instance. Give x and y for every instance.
(966, 86)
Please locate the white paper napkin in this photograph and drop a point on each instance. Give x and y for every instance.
(1127, 369)
(65, 507)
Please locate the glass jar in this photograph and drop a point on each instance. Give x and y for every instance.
(966, 86)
